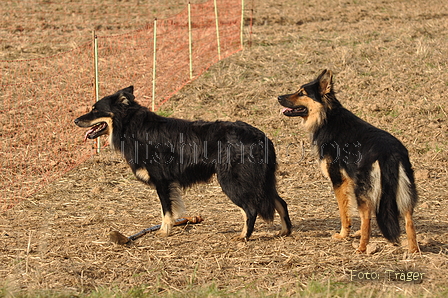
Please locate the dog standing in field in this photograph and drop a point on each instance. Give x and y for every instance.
(171, 154)
(365, 164)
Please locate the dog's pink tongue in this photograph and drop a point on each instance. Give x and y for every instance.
(286, 109)
(87, 133)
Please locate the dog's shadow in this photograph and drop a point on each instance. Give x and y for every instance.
(430, 235)
(428, 231)
(326, 227)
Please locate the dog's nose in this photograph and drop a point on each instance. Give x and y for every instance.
(280, 98)
(76, 121)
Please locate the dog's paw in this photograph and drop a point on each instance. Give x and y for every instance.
(357, 233)
(413, 249)
(161, 233)
(338, 236)
(239, 238)
(164, 230)
(284, 233)
(360, 248)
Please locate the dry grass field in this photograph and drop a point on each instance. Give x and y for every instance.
(390, 61)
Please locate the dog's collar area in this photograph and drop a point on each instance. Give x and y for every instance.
(95, 130)
(294, 112)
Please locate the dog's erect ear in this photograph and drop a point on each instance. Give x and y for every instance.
(129, 89)
(126, 95)
(325, 82)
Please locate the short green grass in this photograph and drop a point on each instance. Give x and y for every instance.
(312, 289)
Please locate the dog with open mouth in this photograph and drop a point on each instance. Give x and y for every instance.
(171, 154)
(368, 167)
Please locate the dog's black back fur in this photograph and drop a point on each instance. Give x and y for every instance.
(175, 152)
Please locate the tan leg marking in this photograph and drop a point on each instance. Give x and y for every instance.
(282, 212)
(344, 194)
(244, 231)
(177, 208)
(167, 224)
(410, 232)
(324, 167)
(177, 204)
(365, 214)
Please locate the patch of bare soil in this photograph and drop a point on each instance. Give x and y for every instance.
(391, 70)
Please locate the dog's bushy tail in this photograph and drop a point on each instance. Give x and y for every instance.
(267, 197)
(266, 208)
(398, 195)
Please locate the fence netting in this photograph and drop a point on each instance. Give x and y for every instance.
(40, 98)
(128, 59)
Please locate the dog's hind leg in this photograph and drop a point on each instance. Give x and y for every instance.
(249, 223)
(365, 215)
(282, 209)
(172, 205)
(240, 195)
(410, 232)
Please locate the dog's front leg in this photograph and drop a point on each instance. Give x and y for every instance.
(167, 224)
(344, 192)
(163, 191)
(344, 215)
(173, 207)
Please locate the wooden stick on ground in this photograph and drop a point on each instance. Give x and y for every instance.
(121, 239)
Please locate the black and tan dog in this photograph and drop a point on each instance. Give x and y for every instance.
(366, 165)
(171, 154)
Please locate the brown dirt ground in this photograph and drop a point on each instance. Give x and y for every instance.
(391, 69)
